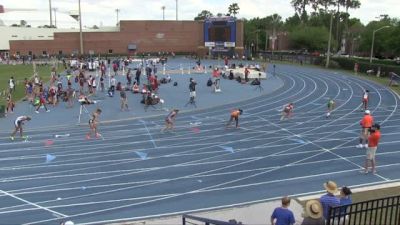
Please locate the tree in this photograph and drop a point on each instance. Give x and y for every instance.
(233, 9)
(203, 15)
(300, 6)
(352, 4)
(309, 38)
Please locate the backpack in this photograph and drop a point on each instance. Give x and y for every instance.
(209, 83)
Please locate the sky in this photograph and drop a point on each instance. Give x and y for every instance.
(103, 12)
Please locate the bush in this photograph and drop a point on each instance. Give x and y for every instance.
(364, 66)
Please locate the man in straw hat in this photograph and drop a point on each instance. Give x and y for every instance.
(329, 199)
(313, 213)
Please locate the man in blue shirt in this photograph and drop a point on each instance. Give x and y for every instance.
(282, 215)
(329, 200)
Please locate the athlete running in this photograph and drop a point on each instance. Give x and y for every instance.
(331, 106)
(287, 111)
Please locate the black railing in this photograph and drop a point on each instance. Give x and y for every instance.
(186, 218)
(384, 211)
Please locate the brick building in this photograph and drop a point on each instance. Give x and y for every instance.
(132, 37)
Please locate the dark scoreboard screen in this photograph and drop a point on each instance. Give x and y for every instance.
(220, 29)
(219, 34)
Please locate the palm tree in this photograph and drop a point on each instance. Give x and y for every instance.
(300, 6)
(233, 9)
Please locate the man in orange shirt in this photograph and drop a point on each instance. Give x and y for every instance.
(235, 116)
(366, 124)
(373, 140)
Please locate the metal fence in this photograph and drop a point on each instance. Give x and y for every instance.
(385, 211)
(189, 220)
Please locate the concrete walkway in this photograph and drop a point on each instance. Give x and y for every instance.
(174, 97)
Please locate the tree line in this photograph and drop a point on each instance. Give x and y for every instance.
(308, 28)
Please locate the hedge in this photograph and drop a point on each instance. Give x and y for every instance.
(348, 64)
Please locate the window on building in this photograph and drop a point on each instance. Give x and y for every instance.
(30, 53)
(44, 52)
(14, 36)
(40, 36)
(110, 51)
(18, 53)
(60, 52)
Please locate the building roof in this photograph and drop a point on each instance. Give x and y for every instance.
(31, 33)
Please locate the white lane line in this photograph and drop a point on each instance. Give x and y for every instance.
(33, 204)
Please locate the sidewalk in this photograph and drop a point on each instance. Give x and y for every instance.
(174, 97)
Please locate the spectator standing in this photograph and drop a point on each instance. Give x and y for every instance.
(10, 104)
(11, 85)
(283, 215)
(373, 140)
(137, 75)
(365, 100)
(329, 200)
(124, 99)
(366, 124)
(113, 82)
(313, 213)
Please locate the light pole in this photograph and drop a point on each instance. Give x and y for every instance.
(373, 40)
(176, 9)
(163, 12)
(275, 18)
(51, 18)
(117, 11)
(329, 42)
(55, 17)
(80, 28)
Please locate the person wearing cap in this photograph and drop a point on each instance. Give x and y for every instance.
(366, 124)
(283, 215)
(234, 116)
(329, 199)
(313, 213)
(170, 120)
(373, 140)
(18, 126)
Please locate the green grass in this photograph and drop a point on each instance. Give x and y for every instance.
(20, 72)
